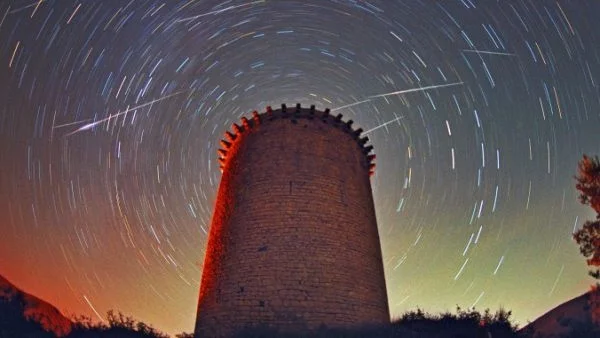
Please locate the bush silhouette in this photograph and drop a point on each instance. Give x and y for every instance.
(463, 323)
(118, 325)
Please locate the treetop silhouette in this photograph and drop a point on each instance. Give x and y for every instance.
(588, 182)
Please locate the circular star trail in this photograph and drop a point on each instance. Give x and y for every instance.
(110, 114)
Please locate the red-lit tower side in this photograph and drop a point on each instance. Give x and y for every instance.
(293, 241)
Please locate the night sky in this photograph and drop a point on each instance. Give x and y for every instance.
(111, 112)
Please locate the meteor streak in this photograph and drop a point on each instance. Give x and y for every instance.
(351, 105)
(219, 11)
(95, 123)
(383, 124)
(418, 89)
(411, 90)
(488, 52)
(36, 4)
(70, 123)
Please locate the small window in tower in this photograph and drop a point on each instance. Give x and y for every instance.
(261, 303)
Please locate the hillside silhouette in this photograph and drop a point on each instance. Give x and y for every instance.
(572, 318)
(24, 315)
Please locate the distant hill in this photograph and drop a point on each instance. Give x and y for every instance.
(25, 316)
(561, 320)
(28, 315)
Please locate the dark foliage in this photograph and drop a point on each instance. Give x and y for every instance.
(467, 324)
(588, 237)
(588, 182)
(184, 335)
(118, 325)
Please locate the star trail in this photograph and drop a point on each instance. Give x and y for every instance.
(111, 113)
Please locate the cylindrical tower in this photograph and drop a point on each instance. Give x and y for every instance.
(293, 242)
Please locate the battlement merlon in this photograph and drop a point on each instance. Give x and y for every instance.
(246, 125)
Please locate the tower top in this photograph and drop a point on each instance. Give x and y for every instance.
(293, 114)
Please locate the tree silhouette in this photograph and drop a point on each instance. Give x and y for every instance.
(588, 237)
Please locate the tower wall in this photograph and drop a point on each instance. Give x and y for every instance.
(293, 241)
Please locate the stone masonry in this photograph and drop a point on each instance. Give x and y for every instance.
(293, 242)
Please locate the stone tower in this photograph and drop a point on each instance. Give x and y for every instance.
(293, 242)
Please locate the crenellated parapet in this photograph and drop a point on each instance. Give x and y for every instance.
(247, 125)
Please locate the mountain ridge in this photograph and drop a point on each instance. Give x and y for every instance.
(561, 319)
(35, 309)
